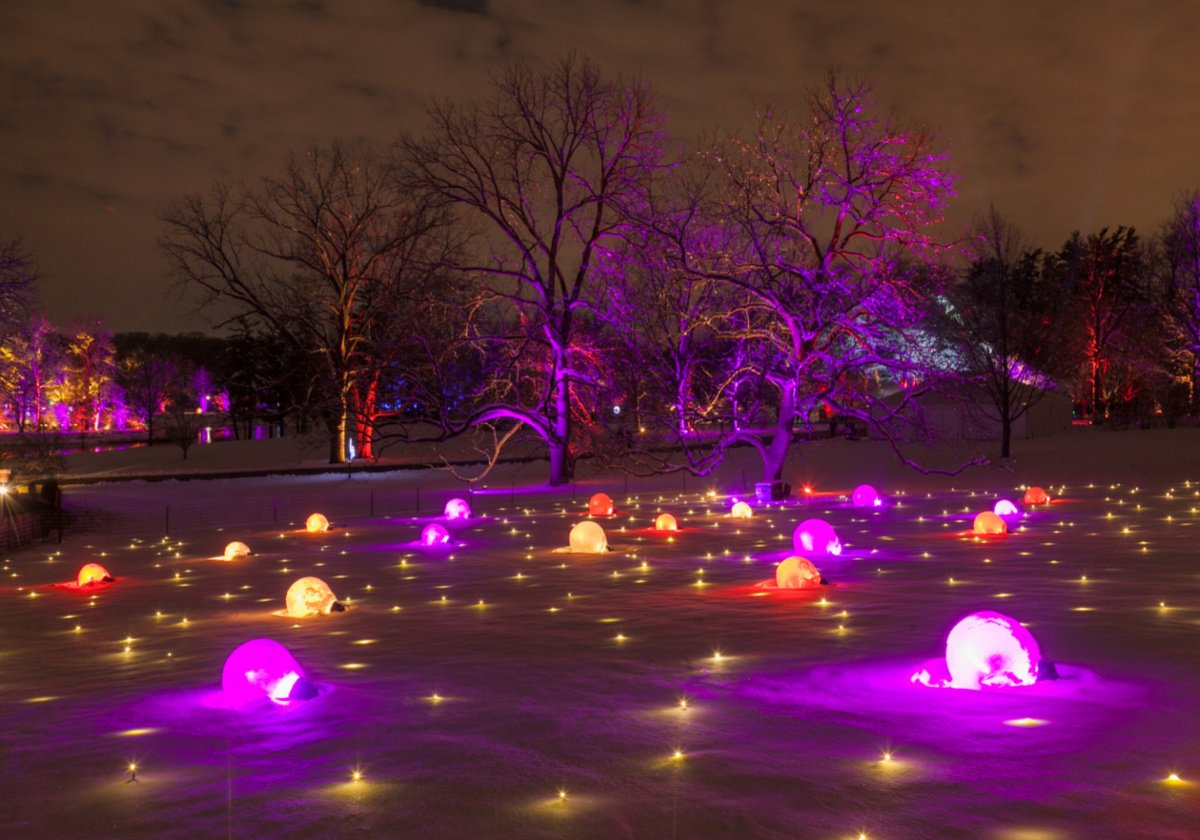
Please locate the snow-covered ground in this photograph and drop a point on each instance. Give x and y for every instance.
(502, 687)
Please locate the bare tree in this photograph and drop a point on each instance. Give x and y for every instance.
(18, 282)
(546, 170)
(29, 357)
(1180, 276)
(303, 256)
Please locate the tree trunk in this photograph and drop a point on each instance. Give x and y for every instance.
(560, 438)
(776, 452)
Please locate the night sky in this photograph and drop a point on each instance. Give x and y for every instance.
(1065, 115)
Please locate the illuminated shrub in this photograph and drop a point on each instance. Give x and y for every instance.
(665, 522)
(236, 549)
(1036, 496)
(796, 573)
(92, 573)
(316, 523)
(310, 596)
(987, 650)
(1005, 508)
(816, 536)
(990, 524)
(741, 510)
(588, 538)
(263, 669)
(600, 505)
(865, 495)
(434, 534)
(457, 509)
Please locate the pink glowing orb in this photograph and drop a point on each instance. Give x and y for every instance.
(309, 596)
(1036, 496)
(865, 495)
(989, 524)
(600, 505)
(987, 649)
(434, 534)
(236, 549)
(741, 510)
(261, 669)
(92, 573)
(316, 523)
(665, 522)
(588, 538)
(1004, 508)
(457, 509)
(816, 536)
(797, 573)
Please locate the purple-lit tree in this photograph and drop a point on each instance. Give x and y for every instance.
(545, 170)
(817, 228)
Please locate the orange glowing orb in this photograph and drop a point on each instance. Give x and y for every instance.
(989, 523)
(1036, 496)
(309, 596)
(93, 573)
(796, 573)
(741, 511)
(665, 522)
(236, 549)
(316, 523)
(600, 505)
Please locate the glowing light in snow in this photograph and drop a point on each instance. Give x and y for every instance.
(316, 523)
(665, 522)
(987, 650)
(600, 505)
(236, 549)
(796, 573)
(741, 511)
(434, 534)
(1036, 496)
(457, 509)
(263, 668)
(588, 538)
(309, 596)
(816, 536)
(93, 573)
(1005, 508)
(989, 523)
(865, 495)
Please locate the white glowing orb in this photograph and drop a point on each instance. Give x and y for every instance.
(92, 573)
(316, 523)
(987, 649)
(665, 522)
(741, 510)
(588, 538)
(457, 509)
(865, 495)
(816, 536)
(1036, 496)
(989, 524)
(236, 549)
(434, 534)
(309, 596)
(797, 573)
(261, 669)
(600, 505)
(1005, 508)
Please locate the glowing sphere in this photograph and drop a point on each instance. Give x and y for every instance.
(796, 573)
(816, 536)
(263, 669)
(600, 505)
(588, 538)
(665, 522)
(236, 549)
(434, 534)
(988, 649)
(741, 511)
(309, 596)
(316, 523)
(865, 495)
(1005, 508)
(989, 523)
(1036, 496)
(93, 573)
(457, 509)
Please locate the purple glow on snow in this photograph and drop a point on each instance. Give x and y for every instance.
(816, 536)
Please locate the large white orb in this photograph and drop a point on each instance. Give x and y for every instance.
(236, 549)
(309, 596)
(797, 573)
(741, 510)
(988, 649)
(816, 536)
(316, 523)
(588, 538)
(1004, 508)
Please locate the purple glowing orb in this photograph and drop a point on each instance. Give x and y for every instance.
(457, 509)
(865, 495)
(263, 669)
(1004, 508)
(987, 650)
(816, 536)
(434, 534)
